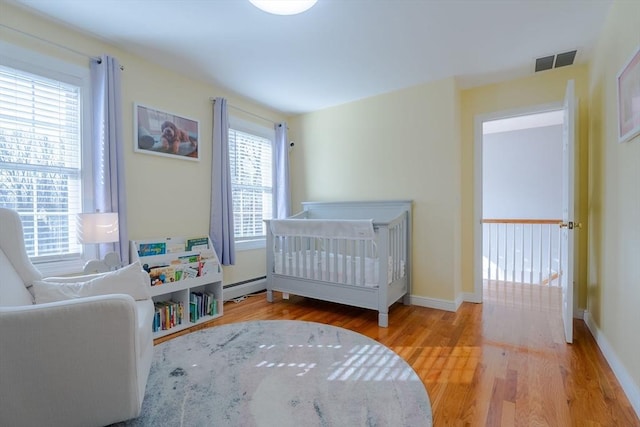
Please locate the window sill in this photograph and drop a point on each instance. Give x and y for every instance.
(247, 245)
(60, 268)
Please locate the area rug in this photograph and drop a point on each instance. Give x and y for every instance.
(281, 373)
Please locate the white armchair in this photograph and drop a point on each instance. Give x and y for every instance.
(77, 362)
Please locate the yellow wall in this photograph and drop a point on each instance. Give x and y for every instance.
(540, 89)
(401, 145)
(165, 196)
(614, 198)
(398, 145)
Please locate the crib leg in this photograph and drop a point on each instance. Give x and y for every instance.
(383, 320)
(269, 296)
(406, 300)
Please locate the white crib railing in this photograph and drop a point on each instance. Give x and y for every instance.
(333, 260)
(522, 250)
(346, 261)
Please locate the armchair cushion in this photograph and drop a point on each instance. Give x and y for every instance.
(130, 280)
(79, 362)
(12, 291)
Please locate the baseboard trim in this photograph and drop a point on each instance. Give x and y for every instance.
(631, 389)
(230, 292)
(439, 304)
(471, 297)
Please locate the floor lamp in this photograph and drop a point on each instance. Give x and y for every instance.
(97, 228)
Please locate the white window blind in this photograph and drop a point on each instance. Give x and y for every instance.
(40, 160)
(251, 182)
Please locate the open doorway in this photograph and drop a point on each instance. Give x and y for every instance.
(568, 224)
(521, 199)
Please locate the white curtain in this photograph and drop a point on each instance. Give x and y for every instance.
(108, 156)
(221, 220)
(281, 188)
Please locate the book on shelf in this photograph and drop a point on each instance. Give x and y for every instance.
(197, 244)
(193, 316)
(149, 249)
(209, 266)
(187, 259)
(173, 247)
(202, 304)
(168, 314)
(169, 245)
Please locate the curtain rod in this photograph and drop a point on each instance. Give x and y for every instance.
(77, 52)
(247, 112)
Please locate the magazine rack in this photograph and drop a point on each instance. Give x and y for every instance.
(185, 277)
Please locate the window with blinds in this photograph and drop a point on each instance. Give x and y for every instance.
(251, 161)
(40, 160)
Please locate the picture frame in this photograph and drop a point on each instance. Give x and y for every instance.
(165, 134)
(628, 84)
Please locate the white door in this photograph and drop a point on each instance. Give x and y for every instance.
(568, 221)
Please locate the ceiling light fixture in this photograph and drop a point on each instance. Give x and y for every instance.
(284, 7)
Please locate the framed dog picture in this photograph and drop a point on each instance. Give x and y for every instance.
(165, 134)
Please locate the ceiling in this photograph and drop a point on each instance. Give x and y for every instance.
(340, 50)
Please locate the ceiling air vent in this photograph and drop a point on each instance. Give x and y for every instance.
(566, 58)
(545, 63)
(555, 61)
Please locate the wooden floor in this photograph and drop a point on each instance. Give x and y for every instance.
(500, 363)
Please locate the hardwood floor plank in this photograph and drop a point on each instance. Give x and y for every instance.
(494, 418)
(500, 363)
(508, 414)
(511, 386)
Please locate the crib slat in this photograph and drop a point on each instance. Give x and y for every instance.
(343, 243)
(283, 252)
(303, 254)
(396, 258)
(326, 269)
(313, 267)
(399, 257)
(403, 249)
(396, 253)
(334, 252)
(320, 244)
(290, 255)
(394, 250)
(349, 253)
(296, 255)
(363, 259)
(286, 260)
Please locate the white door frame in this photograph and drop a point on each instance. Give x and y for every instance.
(477, 180)
(568, 233)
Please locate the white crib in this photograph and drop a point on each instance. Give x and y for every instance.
(354, 253)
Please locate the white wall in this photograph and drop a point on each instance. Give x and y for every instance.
(522, 173)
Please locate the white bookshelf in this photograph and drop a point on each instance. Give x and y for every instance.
(176, 272)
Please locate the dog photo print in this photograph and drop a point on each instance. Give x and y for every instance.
(165, 134)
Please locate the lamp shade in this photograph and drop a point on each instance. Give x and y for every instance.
(99, 227)
(284, 7)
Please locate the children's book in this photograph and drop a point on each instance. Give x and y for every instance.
(197, 244)
(148, 249)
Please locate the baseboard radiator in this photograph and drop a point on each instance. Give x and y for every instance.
(237, 290)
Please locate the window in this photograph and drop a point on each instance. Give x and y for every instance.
(41, 163)
(251, 158)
